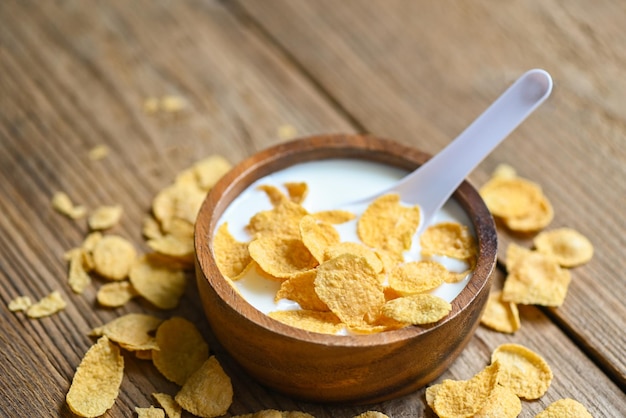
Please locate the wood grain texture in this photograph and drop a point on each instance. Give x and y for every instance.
(74, 76)
(420, 72)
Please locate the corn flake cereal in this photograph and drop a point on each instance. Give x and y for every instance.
(388, 225)
(281, 257)
(538, 218)
(502, 403)
(169, 405)
(417, 277)
(350, 287)
(510, 197)
(565, 408)
(232, 257)
(500, 315)
(115, 294)
(301, 289)
(282, 220)
(297, 191)
(182, 350)
(569, 247)
(78, 278)
(314, 321)
(273, 413)
(47, 306)
(150, 412)
(105, 217)
(536, 279)
(113, 257)
(98, 152)
(20, 303)
(97, 380)
(209, 170)
(418, 309)
(275, 195)
(522, 370)
(158, 282)
(208, 392)
(448, 239)
(334, 216)
(355, 248)
(317, 236)
(62, 204)
(132, 332)
(464, 398)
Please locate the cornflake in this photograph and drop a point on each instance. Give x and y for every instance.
(314, 321)
(301, 289)
(47, 306)
(232, 257)
(522, 370)
(417, 277)
(62, 203)
(357, 249)
(502, 403)
(98, 152)
(500, 315)
(133, 332)
(208, 392)
(20, 303)
(158, 282)
(97, 380)
(167, 402)
(567, 246)
(182, 350)
(78, 278)
(281, 257)
(105, 217)
(565, 408)
(272, 413)
(113, 257)
(448, 239)
(417, 309)
(115, 294)
(150, 412)
(317, 236)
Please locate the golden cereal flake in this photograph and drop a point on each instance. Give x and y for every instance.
(314, 321)
(350, 287)
(179, 201)
(281, 257)
(159, 283)
(47, 306)
(522, 370)
(179, 248)
(504, 171)
(282, 220)
(78, 278)
(20, 303)
(63, 204)
(335, 216)
(536, 279)
(169, 405)
(464, 398)
(232, 257)
(172, 104)
(417, 277)
(515, 253)
(98, 152)
(502, 403)
(105, 217)
(538, 217)
(273, 413)
(301, 289)
(97, 380)
(448, 239)
(500, 315)
(210, 170)
(274, 194)
(150, 228)
(286, 131)
(510, 197)
(113, 257)
(317, 236)
(297, 191)
(388, 225)
(115, 294)
(355, 248)
(150, 412)
(565, 408)
(208, 392)
(417, 309)
(182, 350)
(132, 331)
(569, 247)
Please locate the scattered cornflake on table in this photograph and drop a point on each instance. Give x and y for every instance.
(150, 412)
(158, 281)
(104, 217)
(565, 408)
(522, 370)
(273, 413)
(113, 257)
(208, 392)
(98, 152)
(500, 315)
(47, 306)
(78, 278)
(182, 350)
(569, 247)
(169, 405)
(20, 303)
(97, 380)
(133, 332)
(165, 104)
(62, 203)
(286, 132)
(115, 294)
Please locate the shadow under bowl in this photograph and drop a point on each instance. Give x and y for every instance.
(335, 368)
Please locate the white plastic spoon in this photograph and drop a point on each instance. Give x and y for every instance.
(432, 184)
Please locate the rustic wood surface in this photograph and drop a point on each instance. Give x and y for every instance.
(75, 75)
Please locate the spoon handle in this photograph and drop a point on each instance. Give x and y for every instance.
(435, 181)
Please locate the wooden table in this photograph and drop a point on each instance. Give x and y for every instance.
(75, 75)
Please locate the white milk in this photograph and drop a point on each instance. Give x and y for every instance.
(332, 184)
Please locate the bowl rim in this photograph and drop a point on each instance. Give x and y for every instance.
(360, 146)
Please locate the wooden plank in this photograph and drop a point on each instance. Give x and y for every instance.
(421, 71)
(76, 77)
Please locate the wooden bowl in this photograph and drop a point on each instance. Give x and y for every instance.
(333, 368)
